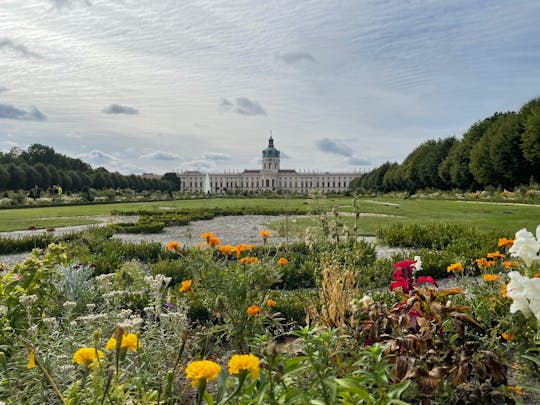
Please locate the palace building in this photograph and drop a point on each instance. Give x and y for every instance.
(269, 178)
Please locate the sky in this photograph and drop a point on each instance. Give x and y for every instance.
(156, 86)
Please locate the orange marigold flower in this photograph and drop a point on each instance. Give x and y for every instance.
(251, 246)
(173, 246)
(271, 303)
(455, 267)
(491, 277)
(537, 275)
(226, 250)
(508, 335)
(253, 310)
(213, 241)
(185, 285)
(249, 260)
(516, 388)
(282, 261)
(505, 242)
(238, 249)
(483, 262)
(208, 235)
(503, 290)
(507, 264)
(265, 234)
(495, 255)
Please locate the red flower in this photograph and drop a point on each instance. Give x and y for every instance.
(426, 279)
(405, 264)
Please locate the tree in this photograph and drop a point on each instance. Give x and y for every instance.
(531, 141)
(17, 178)
(455, 166)
(496, 159)
(4, 178)
(173, 180)
(98, 181)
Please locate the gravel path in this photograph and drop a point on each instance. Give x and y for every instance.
(230, 230)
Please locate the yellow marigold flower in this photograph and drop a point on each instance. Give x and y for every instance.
(249, 260)
(87, 355)
(271, 303)
(31, 358)
(130, 341)
(503, 290)
(491, 277)
(282, 261)
(455, 267)
(173, 246)
(495, 255)
(185, 285)
(505, 242)
(213, 241)
(247, 362)
(253, 310)
(508, 335)
(265, 234)
(507, 264)
(226, 250)
(202, 370)
(516, 388)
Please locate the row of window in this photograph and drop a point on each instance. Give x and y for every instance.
(269, 183)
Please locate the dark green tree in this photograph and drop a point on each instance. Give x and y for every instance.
(4, 178)
(531, 141)
(17, 178)
(496, 159)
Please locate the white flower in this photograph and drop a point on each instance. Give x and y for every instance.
(525, 294)
(526, 246)
(418, 264)
(516, 291)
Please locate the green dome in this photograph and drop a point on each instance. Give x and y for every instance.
(270, 151)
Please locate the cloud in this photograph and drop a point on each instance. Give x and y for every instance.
(292, 58)
(7, 111)
(98, 158)
(59, 4)
(199, 165)
(216, 156)
(336, 147)
(6, 43)
(7, 145)
(3, 89)
(120, 109)
(243, 106)
(158, 155)
(356, 161)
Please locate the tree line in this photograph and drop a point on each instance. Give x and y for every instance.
(41, 168)
(501, 151)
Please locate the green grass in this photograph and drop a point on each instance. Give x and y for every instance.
(502, 217)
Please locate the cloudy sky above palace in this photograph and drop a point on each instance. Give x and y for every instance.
(153, 86)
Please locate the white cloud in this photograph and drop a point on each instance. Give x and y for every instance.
(159, 155)
(216, 156)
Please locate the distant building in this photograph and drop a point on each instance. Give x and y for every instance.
(151, 176)
(269, 178)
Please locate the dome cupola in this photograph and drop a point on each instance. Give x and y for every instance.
(270, 151)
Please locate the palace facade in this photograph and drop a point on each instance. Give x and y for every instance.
(269, 178)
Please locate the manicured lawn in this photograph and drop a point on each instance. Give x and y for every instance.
(505, 218)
